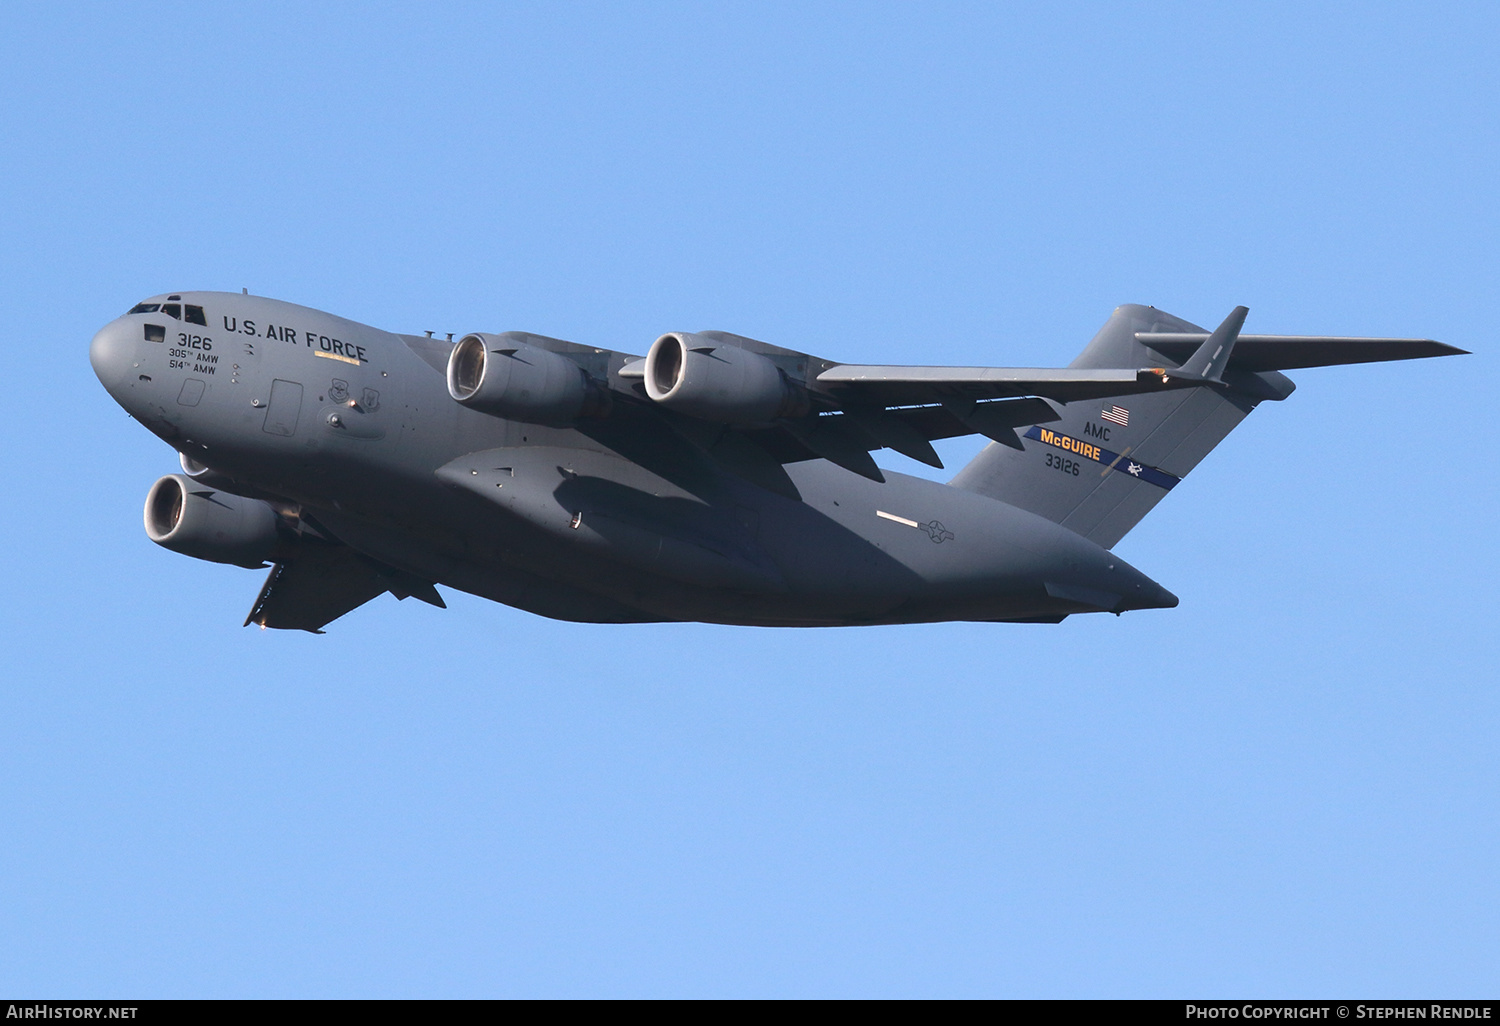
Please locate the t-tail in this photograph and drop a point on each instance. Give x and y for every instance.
(1105, 464)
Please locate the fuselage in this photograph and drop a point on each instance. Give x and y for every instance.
(624, 520)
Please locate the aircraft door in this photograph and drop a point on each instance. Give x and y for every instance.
(284, 409)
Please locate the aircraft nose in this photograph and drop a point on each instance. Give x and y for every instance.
(112, 352)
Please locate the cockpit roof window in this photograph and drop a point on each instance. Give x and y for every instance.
(174, 297)
(172, 310)
(145, 308)
(194, 314)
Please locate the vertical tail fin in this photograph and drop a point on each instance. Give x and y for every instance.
(1107, 463)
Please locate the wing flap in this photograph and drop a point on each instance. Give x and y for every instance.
(893, 433)
(839, 441)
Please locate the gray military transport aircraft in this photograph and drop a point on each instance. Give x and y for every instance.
(716, 479)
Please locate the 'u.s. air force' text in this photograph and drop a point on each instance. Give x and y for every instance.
(309, 339)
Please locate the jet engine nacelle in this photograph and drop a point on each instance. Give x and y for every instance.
(509, 378)
(716, 381)
(185, 516)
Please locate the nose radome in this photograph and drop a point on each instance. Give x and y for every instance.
(113, 351)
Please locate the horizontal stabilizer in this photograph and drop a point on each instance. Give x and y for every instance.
(1290, 352)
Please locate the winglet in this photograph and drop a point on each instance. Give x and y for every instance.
(1209, 360)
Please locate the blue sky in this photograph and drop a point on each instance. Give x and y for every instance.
(1287, 786)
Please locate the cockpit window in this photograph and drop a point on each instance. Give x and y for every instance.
(194, 315)
(173, 310)
(145, 308)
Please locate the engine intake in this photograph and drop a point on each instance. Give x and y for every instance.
(508, 378)
(186, 517)
(713, 380)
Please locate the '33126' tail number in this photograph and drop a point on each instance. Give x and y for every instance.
(1063, 464)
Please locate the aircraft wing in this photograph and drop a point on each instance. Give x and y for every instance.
(841, 412)
(856, 408)
(859, 408)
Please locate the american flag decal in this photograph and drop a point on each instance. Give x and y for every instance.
(1116, 415)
